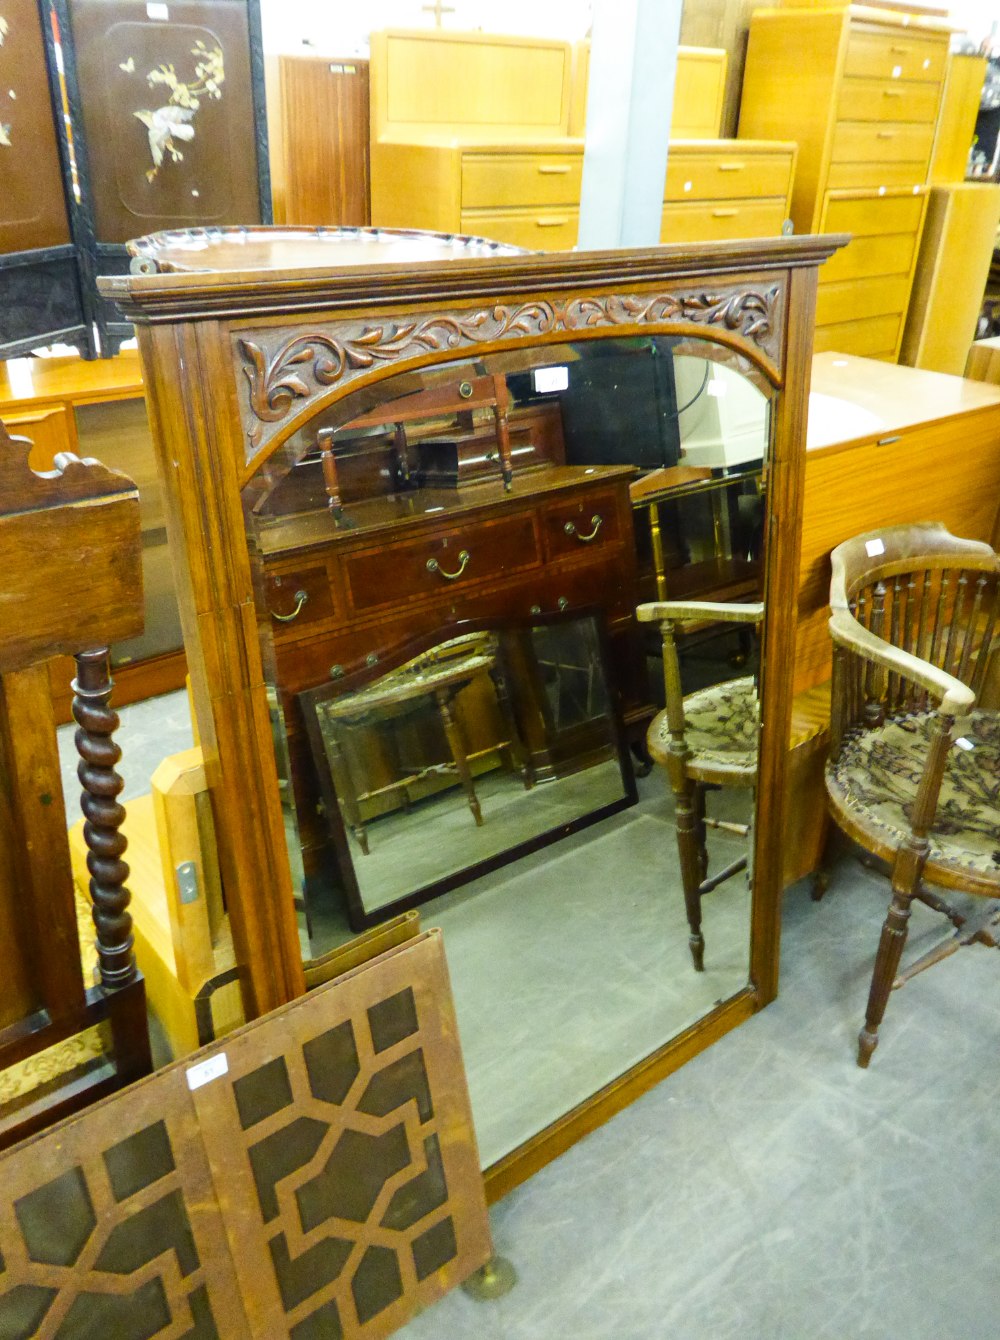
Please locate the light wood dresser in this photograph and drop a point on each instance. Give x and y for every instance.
(859, 89)
(483, 135)
(717, 190)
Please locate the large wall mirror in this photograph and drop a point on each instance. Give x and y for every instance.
(481, 767)
(417, 485)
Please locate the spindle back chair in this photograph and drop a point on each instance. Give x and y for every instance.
(914, 768)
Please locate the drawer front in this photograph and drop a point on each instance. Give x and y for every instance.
(433, 568)
(872, 176)
(582, 527)
(865, 257)
(872, 337)
(885, 56)
(729, 176)
(887, 100)
(866, 216)
(543, 229)
(860, 298)
(520, 179)
(716, 223)
(291, 615)
(883, 143)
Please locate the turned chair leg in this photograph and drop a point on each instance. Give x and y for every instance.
(890, 950)
(700, 831)
(689, 849)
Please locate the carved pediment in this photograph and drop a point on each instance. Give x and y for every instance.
(280, 372)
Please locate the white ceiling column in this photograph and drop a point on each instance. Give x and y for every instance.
(630, 96)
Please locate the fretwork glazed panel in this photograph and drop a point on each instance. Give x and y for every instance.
(316, 1176)
(109, 1227)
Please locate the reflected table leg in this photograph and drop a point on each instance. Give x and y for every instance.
(459, 752)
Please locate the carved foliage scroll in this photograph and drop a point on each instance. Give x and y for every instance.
(280, 374)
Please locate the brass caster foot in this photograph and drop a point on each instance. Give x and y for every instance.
(697, 946)
(496, 1278)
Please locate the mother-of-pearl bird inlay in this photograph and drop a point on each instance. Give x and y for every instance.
(174, 120)
(4, 126)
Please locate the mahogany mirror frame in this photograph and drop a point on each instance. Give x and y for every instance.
(228, 380)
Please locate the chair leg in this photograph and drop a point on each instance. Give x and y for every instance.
(890, 951)
(689, 849)
(700, 831)
(821, 875)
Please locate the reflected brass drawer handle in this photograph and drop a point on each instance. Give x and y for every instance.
(300, 599)
(553, 169)
(596, 521)
(724, 213)
(885, 135)
(732, 167)
(463, 562)
(551, 223)
(892, 93)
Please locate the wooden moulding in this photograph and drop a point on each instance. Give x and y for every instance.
(246, 336)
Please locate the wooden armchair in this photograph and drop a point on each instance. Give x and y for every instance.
(914, 768)
(708, 738)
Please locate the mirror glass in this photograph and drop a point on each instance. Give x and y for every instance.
(474, 750)
(461, 694)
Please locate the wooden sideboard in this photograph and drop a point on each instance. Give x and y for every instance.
(370, 590)
(97, 409)
(885, 445)
(859, 90)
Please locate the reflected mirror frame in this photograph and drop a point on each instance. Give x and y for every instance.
(311, 699)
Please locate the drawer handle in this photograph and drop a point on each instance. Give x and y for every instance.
(887, 441)
(885, 135)
(892, 93)
(300, 599)
(463, 562)
(900, 51)
(551, 223)
(732, 167)
(596, 521)
(724, 213)
(553, 169)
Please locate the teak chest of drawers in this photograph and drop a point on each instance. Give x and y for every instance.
(717, 190)
(859, 90)
(415, 564)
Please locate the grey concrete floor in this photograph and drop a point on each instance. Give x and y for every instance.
(771, 1190)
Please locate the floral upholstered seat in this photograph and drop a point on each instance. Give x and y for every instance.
(721, 726)
(877, 774)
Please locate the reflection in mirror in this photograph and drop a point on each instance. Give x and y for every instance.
(447, 565)
(477, 750)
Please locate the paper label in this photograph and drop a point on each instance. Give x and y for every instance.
(874, 547)
(157, 11)
(551, 379)
(963, 743)
(203, 1073)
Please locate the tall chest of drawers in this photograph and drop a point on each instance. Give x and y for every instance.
(859, 89)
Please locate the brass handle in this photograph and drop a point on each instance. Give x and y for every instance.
(300, 599)
(885, 135)
(892, 93)
(900, 51)
(463, 562)
(724, 213)
(887, 441)
(732, 167)
(553, 169)
(551, 223)
(596, 521)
